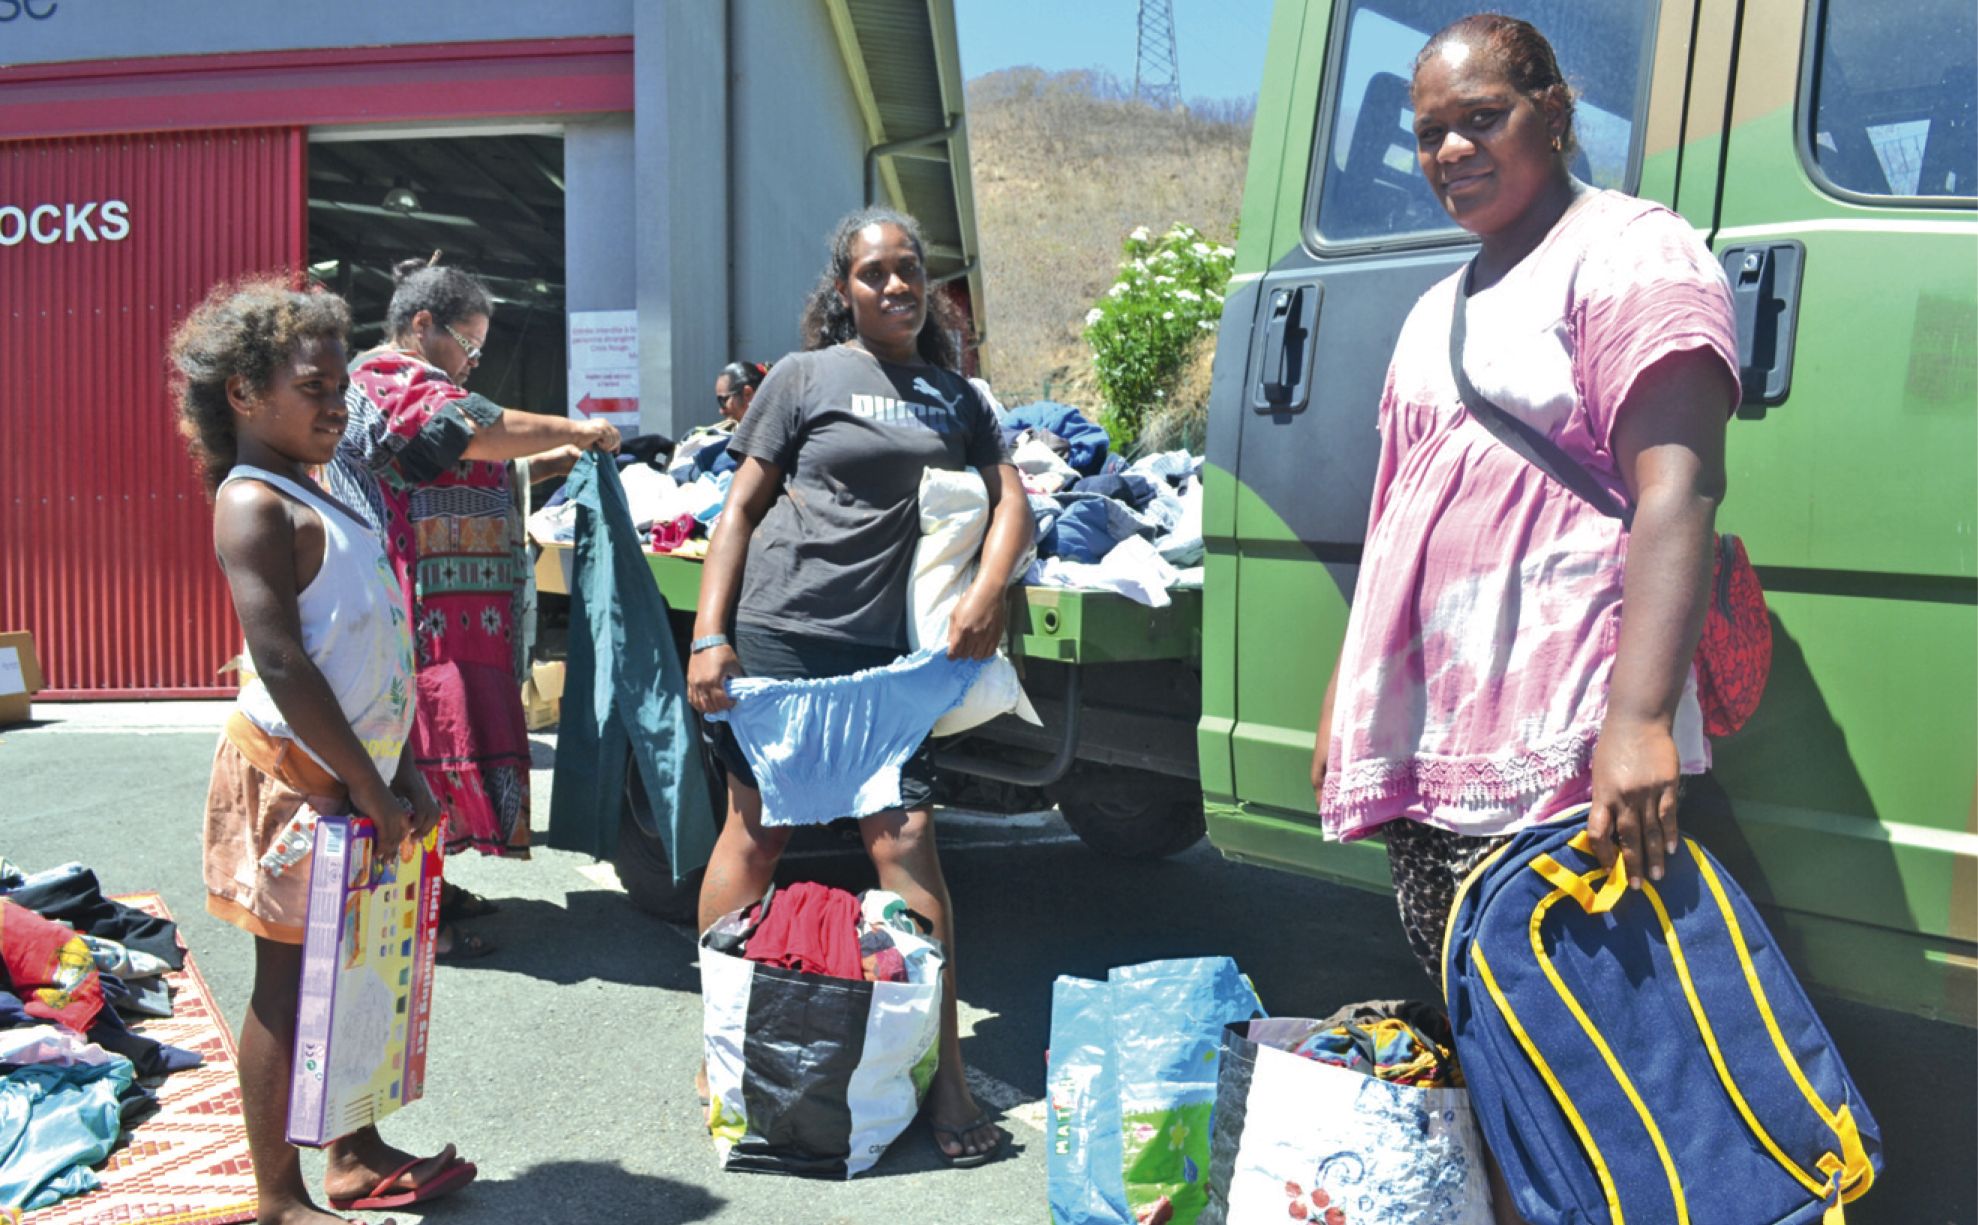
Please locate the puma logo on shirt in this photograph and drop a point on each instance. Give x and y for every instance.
(942, 418)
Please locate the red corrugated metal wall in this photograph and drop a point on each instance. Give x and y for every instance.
(105, 534)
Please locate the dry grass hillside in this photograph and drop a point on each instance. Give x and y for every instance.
(1064, 170)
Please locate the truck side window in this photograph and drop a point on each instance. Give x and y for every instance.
(1894, 87)
(1369, 187)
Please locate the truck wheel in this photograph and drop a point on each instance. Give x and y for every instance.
(641, 861)
(1130, 814)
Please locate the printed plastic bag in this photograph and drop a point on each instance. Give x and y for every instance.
(1303, 1140)
(1132, 1087)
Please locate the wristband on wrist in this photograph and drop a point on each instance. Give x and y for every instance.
(707, 643)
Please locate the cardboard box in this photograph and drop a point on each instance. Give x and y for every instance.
(553, 568)
(20, 676)
(542, 695)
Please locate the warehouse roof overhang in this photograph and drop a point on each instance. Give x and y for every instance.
(905, 69)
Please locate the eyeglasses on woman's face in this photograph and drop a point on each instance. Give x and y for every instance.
(472, 350)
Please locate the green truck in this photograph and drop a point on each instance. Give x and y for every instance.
(1827, 151)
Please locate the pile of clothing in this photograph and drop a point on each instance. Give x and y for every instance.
(72, 964)
(816, 929)
(1103, 523)
(676, 492)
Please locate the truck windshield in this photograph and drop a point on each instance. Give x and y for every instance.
(1369, 185)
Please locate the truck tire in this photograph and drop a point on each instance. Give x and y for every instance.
(1131, 814)
(641, 861)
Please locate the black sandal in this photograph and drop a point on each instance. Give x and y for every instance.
(458, 903)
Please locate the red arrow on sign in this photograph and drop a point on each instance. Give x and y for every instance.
(591, 406)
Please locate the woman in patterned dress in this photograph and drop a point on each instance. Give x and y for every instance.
(431, 461)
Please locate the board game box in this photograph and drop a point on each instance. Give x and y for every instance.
(367, 981)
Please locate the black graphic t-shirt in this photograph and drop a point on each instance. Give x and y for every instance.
(852, 436)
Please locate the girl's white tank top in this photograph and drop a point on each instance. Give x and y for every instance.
(356, 629)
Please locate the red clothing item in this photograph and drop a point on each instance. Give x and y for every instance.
(50, 969)
(810, 928)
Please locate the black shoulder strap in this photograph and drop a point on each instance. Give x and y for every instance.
(1538, 450)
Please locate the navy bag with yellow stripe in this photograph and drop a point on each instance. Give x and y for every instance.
(1645, 1057)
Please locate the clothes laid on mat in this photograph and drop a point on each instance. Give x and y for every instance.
(624, 689)
(56, 1121)
(126, 963)
(48, 968)
(70, 894)
(23, 1044)
(810, 928)
(826, 748)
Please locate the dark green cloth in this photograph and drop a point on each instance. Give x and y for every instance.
(623, 689)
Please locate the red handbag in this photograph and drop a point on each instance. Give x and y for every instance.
(1734, 656)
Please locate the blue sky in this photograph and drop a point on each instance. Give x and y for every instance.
(1220, 43)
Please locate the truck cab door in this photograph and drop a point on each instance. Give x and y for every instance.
(1340, 235)
(1847, 225)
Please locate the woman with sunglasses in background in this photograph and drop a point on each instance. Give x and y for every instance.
(432, 463)
(735, 387)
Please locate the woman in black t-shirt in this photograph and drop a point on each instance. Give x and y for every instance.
(824, 511)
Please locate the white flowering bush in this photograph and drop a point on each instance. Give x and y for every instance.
(1168, 299)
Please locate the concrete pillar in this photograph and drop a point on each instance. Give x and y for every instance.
(681, 209)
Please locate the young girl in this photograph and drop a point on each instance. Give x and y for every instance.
(324, 718)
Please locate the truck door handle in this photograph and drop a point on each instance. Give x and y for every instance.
(1765, 281)
(1284, 366)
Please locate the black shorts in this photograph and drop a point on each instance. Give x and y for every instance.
(784, 656)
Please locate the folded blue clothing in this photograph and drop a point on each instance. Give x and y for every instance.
(1088, 526)
(833, 746)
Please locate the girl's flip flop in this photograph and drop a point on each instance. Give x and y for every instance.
(382, 1197)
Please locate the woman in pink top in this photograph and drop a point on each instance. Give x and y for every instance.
(1490, 678)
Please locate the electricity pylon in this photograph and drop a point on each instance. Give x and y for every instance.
(1156, 66)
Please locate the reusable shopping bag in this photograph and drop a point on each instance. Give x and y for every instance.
(1646, 1056)
(954, 520)
(1132, 1086)
(807, 1074)
(1302, 1140)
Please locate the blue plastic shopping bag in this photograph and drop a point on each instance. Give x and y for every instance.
(1132, 1084)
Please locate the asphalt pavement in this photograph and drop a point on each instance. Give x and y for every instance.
(563, 1063)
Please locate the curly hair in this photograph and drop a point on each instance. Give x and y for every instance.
(827, 318)
(451, 294)
(1521, 53)
(248, 328)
